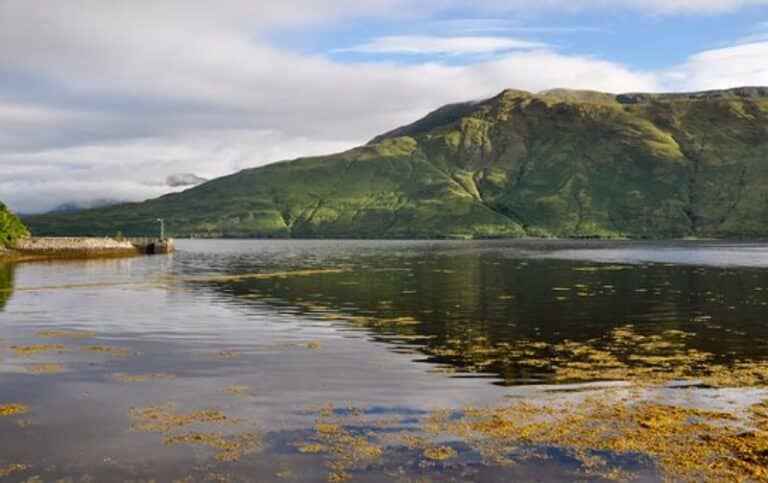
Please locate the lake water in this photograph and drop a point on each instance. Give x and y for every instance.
(331, 360)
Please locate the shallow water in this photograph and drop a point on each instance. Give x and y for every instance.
(372, 335)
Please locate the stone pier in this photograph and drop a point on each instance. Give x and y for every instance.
(73, 246)
(85, 247)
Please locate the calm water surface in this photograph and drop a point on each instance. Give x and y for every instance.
(380, 330)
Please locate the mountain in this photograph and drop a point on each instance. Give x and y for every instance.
(559, 163)
(11, 227)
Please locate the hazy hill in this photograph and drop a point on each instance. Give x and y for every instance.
(72, 206)
(560, 163)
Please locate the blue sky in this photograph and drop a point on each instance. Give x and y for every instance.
(118, 99)
(648, 41)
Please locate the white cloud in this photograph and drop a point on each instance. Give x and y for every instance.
(691, 6)
(740, 65)
(484, 25)
(425, 44)
(202, 94)
(662, 7)
(183, 180)
(16, 114)
(129, 169)
(285, 117)
(326, 108)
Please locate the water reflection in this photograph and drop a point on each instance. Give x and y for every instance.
(326, 360)
(491, 313)
(6, 282)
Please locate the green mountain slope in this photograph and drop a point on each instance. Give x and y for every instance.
(11, 227)
(560, 163)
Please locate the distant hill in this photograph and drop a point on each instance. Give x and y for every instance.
(73, 206)
(11, 227)
(560, 163)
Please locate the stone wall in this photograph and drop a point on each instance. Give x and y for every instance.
(75, 245)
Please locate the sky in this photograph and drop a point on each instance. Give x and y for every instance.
(128, 100)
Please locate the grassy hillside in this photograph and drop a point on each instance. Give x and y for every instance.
(561, 163)
(11, 227)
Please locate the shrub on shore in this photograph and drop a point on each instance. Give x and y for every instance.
(11, 228)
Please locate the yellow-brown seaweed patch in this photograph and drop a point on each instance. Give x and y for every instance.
(602, 268)
(236, 389)
(337, 476)
(227, 354)
(45, 368)
(686, 443)
(622, 355)
(262, 275)
(13, 409)
(312, 448)
(161, 418)
(12, 468)
(66, 334)
(230, 447)
(440, 453)
(32, 350)
(344, 450)
(135, 378)
(118, 352)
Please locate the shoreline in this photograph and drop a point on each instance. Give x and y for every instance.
(470, 238)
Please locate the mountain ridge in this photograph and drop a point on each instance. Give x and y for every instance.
(561, 163)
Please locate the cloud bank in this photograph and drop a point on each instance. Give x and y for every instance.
(183, 179)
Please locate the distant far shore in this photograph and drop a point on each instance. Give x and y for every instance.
(468, 238)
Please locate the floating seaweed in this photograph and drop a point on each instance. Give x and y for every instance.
(117, 352)
(236, 389)
(13, 409)
(227, 354)
(162, 419)
(230, 447)
(135, 378)
(440, 453)
(32, 350)
(685, 443)
(45, 368)
(65, 334)
(12, 468)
